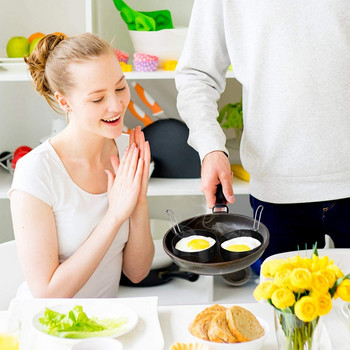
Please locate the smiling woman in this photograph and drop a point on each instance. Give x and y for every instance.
(85, 188)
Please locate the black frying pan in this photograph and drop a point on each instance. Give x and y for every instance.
(160, 276)
(172, 156)
(221, 223)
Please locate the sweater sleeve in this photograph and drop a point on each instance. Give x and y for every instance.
(200, 76)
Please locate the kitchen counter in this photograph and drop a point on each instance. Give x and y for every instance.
(207, 289)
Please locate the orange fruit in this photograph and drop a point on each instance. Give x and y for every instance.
(35, 36)
(59, 33)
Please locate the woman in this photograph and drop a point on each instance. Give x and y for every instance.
(78, 201)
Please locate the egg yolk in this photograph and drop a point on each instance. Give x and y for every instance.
(198, 244)
(238, 248)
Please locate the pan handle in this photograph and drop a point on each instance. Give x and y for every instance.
(220, 201)
(169, 275)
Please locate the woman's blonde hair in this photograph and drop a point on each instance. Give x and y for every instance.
(49, 63)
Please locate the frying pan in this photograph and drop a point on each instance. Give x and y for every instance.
(172, 156)
(160, 276)
(220, 222)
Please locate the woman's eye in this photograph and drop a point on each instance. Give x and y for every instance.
(121, 89)
(97, 101)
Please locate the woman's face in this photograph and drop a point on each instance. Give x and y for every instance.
(100, 96)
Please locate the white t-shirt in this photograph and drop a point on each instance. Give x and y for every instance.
(77, 212)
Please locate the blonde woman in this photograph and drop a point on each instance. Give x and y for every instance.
(78, 201)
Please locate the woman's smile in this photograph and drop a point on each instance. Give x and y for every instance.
(112, 121)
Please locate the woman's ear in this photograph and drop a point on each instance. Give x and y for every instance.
(62, 101)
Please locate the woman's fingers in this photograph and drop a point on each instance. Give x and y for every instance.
(131, 137)
(115, 163)
(133, 160)
(110, 180)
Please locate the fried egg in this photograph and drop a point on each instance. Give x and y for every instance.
(240, 244)
(194, 243)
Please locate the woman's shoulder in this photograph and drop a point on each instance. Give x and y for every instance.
(38, 159)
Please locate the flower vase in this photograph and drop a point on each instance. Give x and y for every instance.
(294, 334)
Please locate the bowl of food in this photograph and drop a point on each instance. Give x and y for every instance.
(233, 328)
(64, 325)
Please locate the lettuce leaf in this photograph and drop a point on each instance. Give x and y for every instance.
(76, 324)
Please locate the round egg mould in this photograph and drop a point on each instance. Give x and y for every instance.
(215, 253)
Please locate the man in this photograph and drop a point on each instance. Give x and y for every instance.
(293, 61)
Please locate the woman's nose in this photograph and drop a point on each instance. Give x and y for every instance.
(115, 104)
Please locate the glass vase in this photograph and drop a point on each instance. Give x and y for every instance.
(294, 334)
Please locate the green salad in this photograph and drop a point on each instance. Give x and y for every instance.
(76, 324)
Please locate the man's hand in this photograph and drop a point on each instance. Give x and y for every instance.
(216, 169)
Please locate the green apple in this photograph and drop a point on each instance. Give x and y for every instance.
(33, 44)
(17, 46)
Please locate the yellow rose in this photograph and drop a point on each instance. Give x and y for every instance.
(264, 290)
(343, 290)
(301, 278)
(324, 262)
(295, 261)
(335, 269)
(282, 298)
(306, 263)
(282, 278)
(330, 277)
(323, 302)
(270, 267)
(306, 309)
(319, 283)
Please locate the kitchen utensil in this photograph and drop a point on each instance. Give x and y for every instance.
(172, 156)
(148, 100)
(174, 223)
(138, 113)
(160, 276)
(134, 20)
(219, 222)
(162, 18)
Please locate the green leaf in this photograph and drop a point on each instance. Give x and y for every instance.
(315, 249)
(76, 324)
(231, 116)
(337, 283)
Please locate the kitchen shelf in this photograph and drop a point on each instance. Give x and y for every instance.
(23, 75)
(157, 186)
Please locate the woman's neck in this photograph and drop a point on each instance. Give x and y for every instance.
(79, 146)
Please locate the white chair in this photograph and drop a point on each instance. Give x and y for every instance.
(11, 275)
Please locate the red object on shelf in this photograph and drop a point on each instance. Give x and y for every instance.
(19, 153)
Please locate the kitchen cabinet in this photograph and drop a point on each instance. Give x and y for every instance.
(25, 117)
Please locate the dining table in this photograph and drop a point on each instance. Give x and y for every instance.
(160, 326)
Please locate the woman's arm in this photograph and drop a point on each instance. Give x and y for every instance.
(35, 232)
(139, 250)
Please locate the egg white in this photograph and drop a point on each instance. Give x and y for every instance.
(182, 244)
(248, 241)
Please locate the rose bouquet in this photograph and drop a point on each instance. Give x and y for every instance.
(301, 290)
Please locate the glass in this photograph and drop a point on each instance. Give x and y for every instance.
(294, 334)
(9, 333)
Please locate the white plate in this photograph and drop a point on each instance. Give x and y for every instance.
(99, 310)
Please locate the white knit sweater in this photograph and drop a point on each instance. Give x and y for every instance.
(293, 61)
